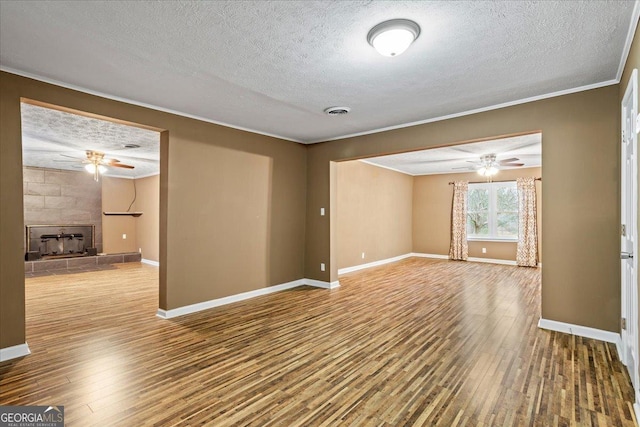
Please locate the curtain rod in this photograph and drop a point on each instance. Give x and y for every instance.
(489, 182)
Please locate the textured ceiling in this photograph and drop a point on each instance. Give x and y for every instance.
(527, 148)
(273, 66)
(48, 136)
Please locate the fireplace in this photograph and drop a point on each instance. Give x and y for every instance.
(59, 241)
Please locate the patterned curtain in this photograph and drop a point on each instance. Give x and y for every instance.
(527, 253)
(459, 250)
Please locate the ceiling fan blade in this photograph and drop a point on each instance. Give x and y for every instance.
(513, 159)
(511, 164)
(120, 165)
(73, 157)
(109, 161)
(466, 167)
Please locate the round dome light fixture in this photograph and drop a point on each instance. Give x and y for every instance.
(391, 38)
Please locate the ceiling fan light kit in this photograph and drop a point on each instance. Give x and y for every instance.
(91, 168)
(95, 163)
(393, 37)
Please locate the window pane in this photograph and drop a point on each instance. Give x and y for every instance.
(477, 224)
(507, 199)
(507, 224)
(478, 200)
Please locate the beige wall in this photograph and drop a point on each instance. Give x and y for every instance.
(148, 225)
(580, 212)
(374, 213)
(117, 195)
(59, 197)
(244, 193)
(432, 214)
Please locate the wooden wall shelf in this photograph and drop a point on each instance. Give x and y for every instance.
(135, 214)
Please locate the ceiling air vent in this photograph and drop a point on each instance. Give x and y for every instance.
(337, 111)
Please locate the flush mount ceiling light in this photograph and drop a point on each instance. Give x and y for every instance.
(391, 38)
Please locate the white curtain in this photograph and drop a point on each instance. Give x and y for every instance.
(527, 251)
(459, 250)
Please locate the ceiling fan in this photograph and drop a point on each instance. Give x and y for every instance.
(489, 166)
(96, 163)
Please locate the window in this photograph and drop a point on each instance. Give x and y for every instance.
(492, 211)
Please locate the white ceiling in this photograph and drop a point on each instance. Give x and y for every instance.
(273, 66)
(461, 158)
(48, 136)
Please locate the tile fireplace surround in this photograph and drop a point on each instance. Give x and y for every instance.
(77, 265)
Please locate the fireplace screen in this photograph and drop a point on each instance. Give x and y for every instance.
(57, 241)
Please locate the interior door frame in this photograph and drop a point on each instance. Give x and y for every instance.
(629, 297)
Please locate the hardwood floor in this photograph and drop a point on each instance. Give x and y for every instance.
(418, 342)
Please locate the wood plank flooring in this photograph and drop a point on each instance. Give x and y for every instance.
(419, 342)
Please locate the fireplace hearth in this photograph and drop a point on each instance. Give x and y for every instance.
(59, 241)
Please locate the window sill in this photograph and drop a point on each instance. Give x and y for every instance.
(490, 239)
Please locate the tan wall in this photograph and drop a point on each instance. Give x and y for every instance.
(148, 225)
(245, 214)
(432, 196)
(580, 212)
(374, 213)
(60, 197)
(117, 195)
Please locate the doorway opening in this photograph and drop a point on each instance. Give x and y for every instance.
(91, 191)
(395, 206)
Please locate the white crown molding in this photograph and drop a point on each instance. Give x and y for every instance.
(140, 104)
(369, 132)
(635, 15)
(150, 262)
(476, 111)
(372, 264)
(109, 175)
(386, 167)
(14, 352)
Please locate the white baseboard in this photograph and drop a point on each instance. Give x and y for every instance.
(470, 259)
(435, 256)
(492, 261)
(582, 331)
(321, 284)
(372, 264)
(150, 262)
(194, 308)
(14, 352)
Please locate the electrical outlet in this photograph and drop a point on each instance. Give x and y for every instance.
(124, 237)
(140, 250)
(362, 255)
(484, 250)
(321, 211)
(322, 266)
